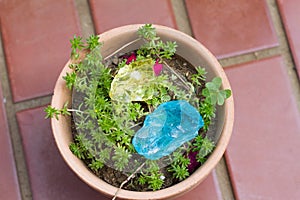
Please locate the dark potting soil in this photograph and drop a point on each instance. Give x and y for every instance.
(115, 177)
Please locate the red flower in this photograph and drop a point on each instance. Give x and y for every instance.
(157, 68)
(130, 58)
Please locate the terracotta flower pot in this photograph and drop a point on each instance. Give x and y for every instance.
(197, 55)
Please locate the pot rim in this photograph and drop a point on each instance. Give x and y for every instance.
(180, 188)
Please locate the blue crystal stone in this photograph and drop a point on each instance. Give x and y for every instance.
(170, 125)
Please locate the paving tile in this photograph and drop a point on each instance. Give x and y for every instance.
(207, 190)
(109, 14)
(231, 27)
(9, 186)
(36, 37)
(49, 175)
(263, 151)
(289, 10)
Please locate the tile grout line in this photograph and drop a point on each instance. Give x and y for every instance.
(85, 17)
(285, 50)
(15, 136)
(181, 17)
(32, 103)
(224, 180)
(249, 57)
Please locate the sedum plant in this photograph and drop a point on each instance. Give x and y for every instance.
(105, 127)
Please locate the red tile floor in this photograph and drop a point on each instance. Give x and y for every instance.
(257, 42)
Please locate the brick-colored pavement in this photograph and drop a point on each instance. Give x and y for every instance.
(257, 42)
(111, 14)
(230, 28)
(266, 132)
(28, 30)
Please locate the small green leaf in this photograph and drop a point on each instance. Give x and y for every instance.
(220, 99)
(70, 79)
(228, 93)
(205, 92)
(213, 98)
(76, 150)
(179, 171)
(51, 112)
(211, 86)
(142, 180)
(96, 165)
(64, 110)
(217, 81)
(207, 147)
(76, 44)
(93, 42)
(201, 72)
(147, 31)
(213, 93)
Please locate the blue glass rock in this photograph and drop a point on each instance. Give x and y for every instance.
(172, 124)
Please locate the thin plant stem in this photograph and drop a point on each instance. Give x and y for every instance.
(74, 110)
(174, 72)
(135, 125)
(128, 179)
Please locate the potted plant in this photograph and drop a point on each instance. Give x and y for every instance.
(150, 115)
